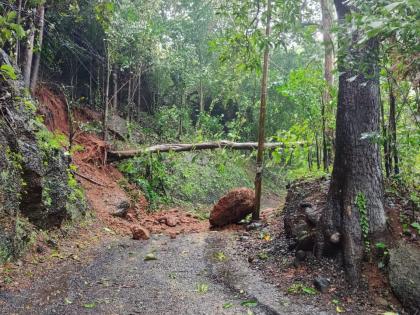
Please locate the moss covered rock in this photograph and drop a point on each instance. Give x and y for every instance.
(37, 191)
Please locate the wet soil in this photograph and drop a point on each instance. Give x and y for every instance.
(189, 276)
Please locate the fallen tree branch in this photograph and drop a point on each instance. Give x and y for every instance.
(181, 147)
(89, 179)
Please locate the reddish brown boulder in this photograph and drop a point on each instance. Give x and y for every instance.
(140, 233)
(233, 207)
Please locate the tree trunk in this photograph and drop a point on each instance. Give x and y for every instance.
(29, 51)
(261, 127)
(105, 118)
(318, 160)
(129, 101)
(115, 94)
(139, 94)
(18, 19)
(328, 75)
(385, 142)
(393, 128)
(183, 147)
(356, 172)
(37, 60)
(201, 97)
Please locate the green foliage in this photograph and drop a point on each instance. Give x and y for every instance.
(416, 226)
(173, 122)
(9, 30)
(360, 203)
(76, 194)
(7, 72)
(300, 288)
(193, 179)
(49, 141)
(383, 253)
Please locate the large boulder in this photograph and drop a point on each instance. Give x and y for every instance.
(404, 275)
(233, 207)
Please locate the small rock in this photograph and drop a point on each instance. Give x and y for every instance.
(40, 249)
(256, 225)
(300, 255)
(140, 233)
(379, 300)
(321, 284)
(171, 221)
(130, 217)
(52, 243)
(172, 236)
(122, 209)
(250, 259)
(312, 215)
(243, 238)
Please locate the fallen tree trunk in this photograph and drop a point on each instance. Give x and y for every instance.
(181, 147)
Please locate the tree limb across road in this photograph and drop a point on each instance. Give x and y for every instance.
(181, 147)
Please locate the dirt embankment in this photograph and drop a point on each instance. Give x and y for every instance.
(106, 189)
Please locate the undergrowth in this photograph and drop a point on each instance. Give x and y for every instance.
(195, 179)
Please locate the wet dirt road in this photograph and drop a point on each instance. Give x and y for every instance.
(192, 274)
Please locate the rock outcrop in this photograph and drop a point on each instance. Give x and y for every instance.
(404, 275)
(305, 202)
(37, 189)
(233, 207)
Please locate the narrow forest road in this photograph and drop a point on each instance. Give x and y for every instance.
(199, 273)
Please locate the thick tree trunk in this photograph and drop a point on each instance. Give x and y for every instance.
(356, 173)
(37, 60)
(328, 75)
(261, 126)
(29, 52)
(182, 147)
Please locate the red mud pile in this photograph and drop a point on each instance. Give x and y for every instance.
(105, 187)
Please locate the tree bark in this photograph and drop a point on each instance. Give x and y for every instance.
(261, 127)
(29, 51)
(393, 128)
(129, 100)
(37, 60)
(115, 93)
(139, 94)
(328, 75)
(18, 19)
(385, 142)
(106, 110)
(201, 97)
(356, 170)
(182, 147)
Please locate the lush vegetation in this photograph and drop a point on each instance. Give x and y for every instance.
(190, 71)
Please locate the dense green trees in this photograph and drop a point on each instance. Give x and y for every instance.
(191, 70)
